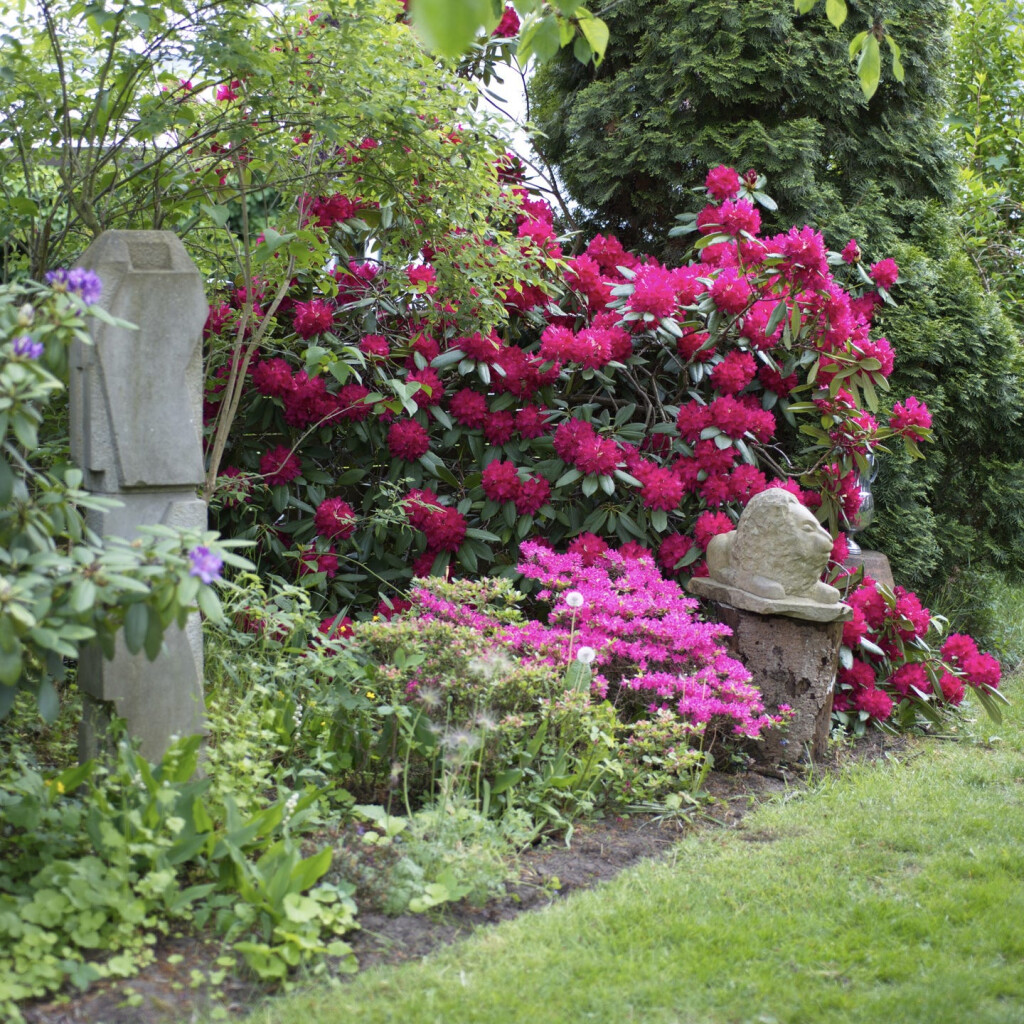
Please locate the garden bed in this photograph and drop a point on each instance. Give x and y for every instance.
(181, 985)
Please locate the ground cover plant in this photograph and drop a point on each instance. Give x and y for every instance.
(906, 910)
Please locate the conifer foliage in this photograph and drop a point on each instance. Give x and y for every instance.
(693, 83)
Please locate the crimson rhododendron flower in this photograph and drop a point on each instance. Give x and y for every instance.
(531, 422)
(722, 182)
(500, 426)
(311, 562)
(335, 518)
(982, 669)
(272, 378)
(500, 481)
(952, 687)
(422, 277)
(312, 318)
(469, 408)
(216, 319)
(408, 440)
(533, 495)
(661, 489)
(911, 418)
(589, 547)
(477, 346)
(596, 455)
(673, 550)
(431, 389)
(877, 703)
(884, 273)
(445, 528)
(734, 372)
(912, 675)
(744, 482)
(731, 291)
(280, 465)
(508, 26)
(351, 402)
(375, 345)
(711, 524)
(326, 211)
(654, 291)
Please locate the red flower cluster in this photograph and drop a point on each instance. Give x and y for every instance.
(722, 183)
(911, 418)
(408, 440)
(312, 318)
(907, 669)
(279, 466)
(335, 518)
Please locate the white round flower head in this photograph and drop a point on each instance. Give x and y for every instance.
(586, 655)
(574, 599)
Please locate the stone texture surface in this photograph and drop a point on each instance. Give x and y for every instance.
(136, 416)
(792, 662)
(772, 562)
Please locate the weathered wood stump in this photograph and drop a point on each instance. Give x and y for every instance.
(794, 662)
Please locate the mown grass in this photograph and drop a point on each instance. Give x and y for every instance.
(891, 893)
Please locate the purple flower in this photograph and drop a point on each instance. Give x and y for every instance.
(78, 280)
(206, 564)
(25, 347)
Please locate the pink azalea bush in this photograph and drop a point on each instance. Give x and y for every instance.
(616, 674)
(649, 651)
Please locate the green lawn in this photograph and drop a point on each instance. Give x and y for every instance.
(890, 895)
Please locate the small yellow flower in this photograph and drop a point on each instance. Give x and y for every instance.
(60, 786)
(370, 695)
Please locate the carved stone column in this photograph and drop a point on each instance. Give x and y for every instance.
(136, 421)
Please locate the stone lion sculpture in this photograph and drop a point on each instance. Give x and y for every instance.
(777, 552)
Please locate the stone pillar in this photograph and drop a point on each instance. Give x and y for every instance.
(875, 564)
(794, 662)
(136, 421)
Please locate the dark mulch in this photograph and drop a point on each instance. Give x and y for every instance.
(167, 992)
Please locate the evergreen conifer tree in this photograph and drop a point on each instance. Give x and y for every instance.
(689, 84)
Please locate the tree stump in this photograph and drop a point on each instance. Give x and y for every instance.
(794, 662)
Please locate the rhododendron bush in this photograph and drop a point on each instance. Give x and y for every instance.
(622, 403)
(898, 668)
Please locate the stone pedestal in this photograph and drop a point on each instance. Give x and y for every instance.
(875, 564)
(794, 662)
(136, 420)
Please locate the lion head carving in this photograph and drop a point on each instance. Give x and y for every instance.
(778, 550)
